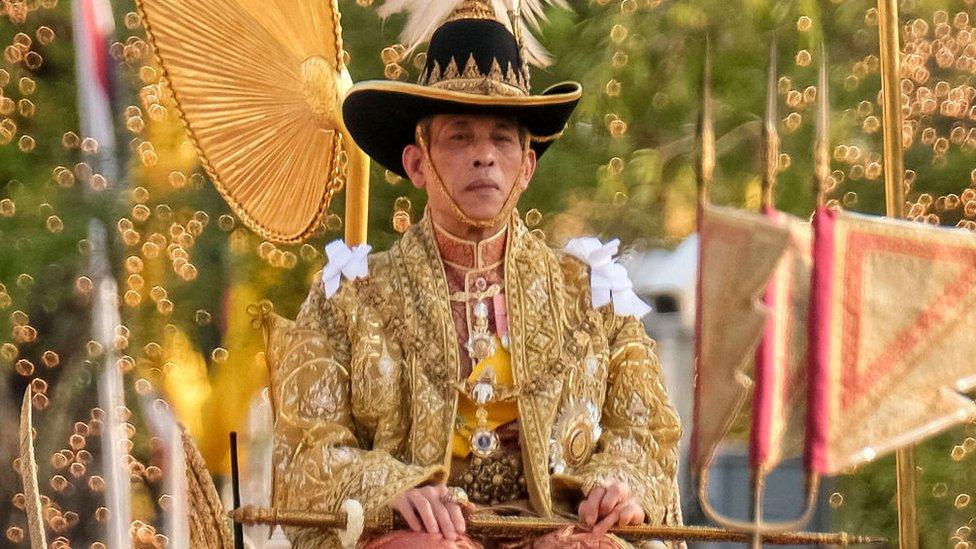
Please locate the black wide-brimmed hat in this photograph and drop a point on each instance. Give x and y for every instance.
(475, 65)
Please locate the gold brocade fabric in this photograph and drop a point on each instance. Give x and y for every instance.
(364, 408)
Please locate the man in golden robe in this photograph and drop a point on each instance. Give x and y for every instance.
(470, 368)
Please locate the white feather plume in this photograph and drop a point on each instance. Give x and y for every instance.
(424, 16)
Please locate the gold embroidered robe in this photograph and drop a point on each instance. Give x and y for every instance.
(350, 425)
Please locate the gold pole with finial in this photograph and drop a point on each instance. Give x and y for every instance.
(894, 172)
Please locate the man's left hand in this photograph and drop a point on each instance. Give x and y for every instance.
(609, 506)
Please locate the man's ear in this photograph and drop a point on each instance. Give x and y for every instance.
(413, 164)
(528, 169)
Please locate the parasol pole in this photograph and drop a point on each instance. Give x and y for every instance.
(894, 171)
(353, 162)
(357, 194)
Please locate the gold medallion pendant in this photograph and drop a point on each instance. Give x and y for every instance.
(484, 442)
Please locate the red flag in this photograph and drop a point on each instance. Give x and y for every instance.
(781, 359)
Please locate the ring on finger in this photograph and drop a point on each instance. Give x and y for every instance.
(455, 495)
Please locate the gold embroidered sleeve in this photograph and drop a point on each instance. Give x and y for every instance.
(641, 431)
(323, 454)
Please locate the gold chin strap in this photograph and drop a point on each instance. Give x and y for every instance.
(467, 220)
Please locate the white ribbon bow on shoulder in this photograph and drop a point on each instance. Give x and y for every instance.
(608, 279)
(344, 262)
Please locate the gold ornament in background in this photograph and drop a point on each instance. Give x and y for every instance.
(401, 221)
(259, 85)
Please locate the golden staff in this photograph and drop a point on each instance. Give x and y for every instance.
(894, 172)
(500, 527)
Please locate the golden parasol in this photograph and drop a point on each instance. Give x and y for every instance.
(259, 85)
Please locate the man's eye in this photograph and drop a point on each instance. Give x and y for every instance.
(458, 137)
(505, 138)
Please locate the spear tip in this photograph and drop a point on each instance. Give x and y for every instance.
(706, 132)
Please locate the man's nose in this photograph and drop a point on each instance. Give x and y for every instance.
(484, 153)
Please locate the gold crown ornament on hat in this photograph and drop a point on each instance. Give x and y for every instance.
(258, 84)
(425, 16)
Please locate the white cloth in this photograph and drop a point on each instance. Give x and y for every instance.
(344, 261)
(355, 523)
(609, 282)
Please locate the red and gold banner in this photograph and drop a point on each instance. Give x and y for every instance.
(779, 401)
(738, 252)
(891, 334)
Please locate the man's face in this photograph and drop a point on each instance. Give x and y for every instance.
(479, 159)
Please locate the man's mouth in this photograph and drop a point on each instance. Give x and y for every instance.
(481, 185)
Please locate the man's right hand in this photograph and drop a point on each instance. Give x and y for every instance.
(424, 509)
